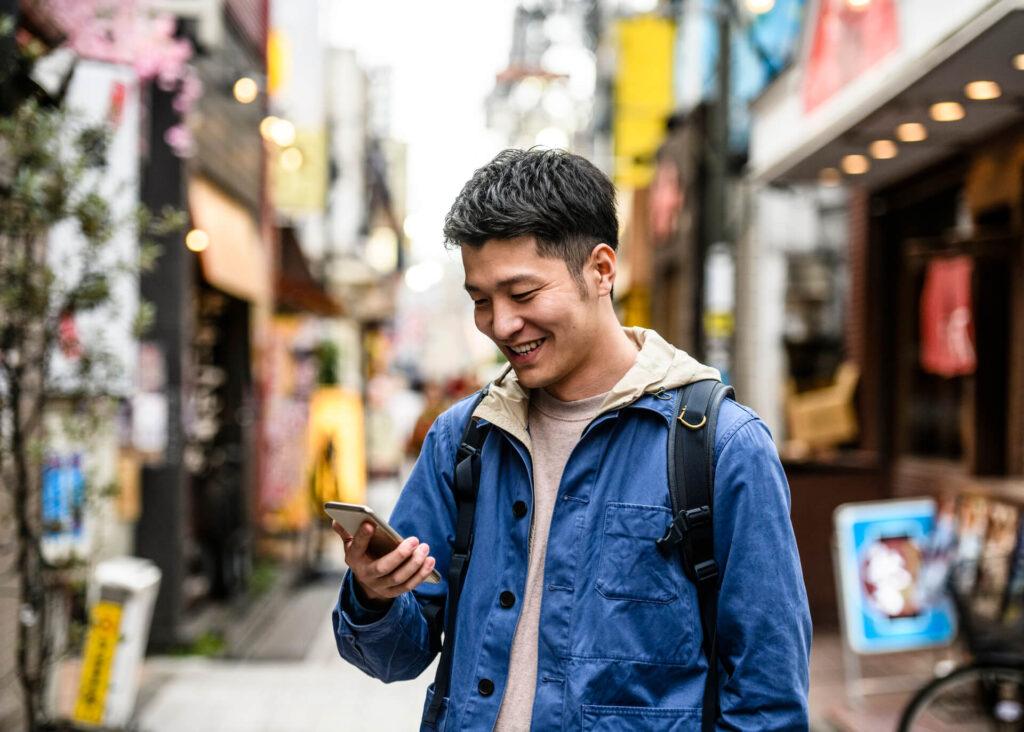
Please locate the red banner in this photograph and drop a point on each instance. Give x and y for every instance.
(850, 36)
(947, 321)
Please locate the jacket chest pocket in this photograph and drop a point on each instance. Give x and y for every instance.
(640, 606)
(631, 567)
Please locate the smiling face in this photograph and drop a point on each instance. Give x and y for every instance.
(549, 326)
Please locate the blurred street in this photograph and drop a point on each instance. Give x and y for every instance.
(289, 679)
(229, 293)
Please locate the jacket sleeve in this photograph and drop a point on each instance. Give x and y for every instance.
(764, 625)
(397, 645)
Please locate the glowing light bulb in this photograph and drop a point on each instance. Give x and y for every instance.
(981, 91)
(855, 164)
(197, 240)
(245, 90)
(883, 149)
(911, 132)
(947, 111)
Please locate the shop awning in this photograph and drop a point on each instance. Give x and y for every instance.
(235, 260)
(297, 289)
(793, 145)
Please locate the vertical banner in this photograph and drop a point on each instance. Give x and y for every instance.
(947, 321)
(337, 447)
(643, 96)
(847, 42)
(98, 660)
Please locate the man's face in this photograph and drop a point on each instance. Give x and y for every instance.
(532, 308)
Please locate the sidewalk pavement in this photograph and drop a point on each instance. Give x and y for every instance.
(888, 680)
(288, 678)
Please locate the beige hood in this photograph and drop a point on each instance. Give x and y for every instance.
(659, 365)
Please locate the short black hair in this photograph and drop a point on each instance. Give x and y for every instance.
(561, 199)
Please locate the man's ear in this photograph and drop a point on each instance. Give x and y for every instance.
(601, 267)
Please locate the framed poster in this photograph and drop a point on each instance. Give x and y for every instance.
(891, 589)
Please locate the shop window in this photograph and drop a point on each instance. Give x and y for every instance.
(821, 383)
(955, 349)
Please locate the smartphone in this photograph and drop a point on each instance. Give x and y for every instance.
(384, 540)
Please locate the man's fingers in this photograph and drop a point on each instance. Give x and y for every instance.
(340, 531)
(411, 567)
(357, 548)
(419, 577)
(395, 558)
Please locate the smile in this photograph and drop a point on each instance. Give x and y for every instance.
(526, 348)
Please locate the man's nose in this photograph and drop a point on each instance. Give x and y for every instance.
(507, 322)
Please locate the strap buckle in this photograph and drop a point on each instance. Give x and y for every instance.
(706, 570)
(682, 525)
(680, 533)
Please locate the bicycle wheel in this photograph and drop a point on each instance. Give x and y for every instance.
(972, 698)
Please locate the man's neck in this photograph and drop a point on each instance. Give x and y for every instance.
(601, 371)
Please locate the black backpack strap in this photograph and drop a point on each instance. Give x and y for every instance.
(465, 486)
(691, 472)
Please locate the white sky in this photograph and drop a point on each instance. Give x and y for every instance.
(444, 55)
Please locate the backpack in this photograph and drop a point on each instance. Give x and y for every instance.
(691, 474)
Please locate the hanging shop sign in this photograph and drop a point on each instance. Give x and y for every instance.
(299, 173)
(643, 96)
(947, 322)
(63, 512)
(891, 576)
(847, 42)
(105, 94)
(337, 447)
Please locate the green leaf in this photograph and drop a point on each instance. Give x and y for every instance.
(93, 214)
(92, 291)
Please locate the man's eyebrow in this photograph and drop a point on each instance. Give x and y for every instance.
(507, 282)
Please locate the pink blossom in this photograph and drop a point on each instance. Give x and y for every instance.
(179, 138)
(130, 32)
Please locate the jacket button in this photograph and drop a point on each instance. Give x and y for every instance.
(507, 599)
(519, 509)
(485, 687)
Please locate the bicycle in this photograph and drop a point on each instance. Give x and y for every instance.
(987, 692)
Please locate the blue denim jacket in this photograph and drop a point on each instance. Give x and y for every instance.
(620, 632)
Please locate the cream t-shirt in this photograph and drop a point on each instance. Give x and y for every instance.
(555, 428)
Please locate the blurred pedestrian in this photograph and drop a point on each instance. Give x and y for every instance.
(570, 615)
(434, 402)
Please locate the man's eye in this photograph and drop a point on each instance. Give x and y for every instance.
(479, 303)
(521, 296)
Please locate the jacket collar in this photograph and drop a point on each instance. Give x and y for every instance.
(659, 366)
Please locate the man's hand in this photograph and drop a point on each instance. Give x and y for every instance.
(384, 578)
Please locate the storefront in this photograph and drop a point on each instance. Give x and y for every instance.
(912, 112)
(228, 312)
(312, 442)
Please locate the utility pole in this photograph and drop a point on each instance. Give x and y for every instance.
(718, 158)
(718, 291)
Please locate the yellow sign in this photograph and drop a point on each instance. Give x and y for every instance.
(337, 446)
(299, 173)
(719, 324)
(100, 648)
(279, 61)
(643, 96)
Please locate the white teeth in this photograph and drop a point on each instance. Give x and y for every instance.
(526, 347)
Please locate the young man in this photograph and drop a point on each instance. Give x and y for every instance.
(570, 617)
